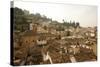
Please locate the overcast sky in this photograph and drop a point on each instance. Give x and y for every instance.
(85, 15)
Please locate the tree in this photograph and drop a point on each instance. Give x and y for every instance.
(63, 21)
(18, 11)
(19, 19)
(77, 24)
(73, 24)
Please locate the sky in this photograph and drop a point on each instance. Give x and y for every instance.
(85, 15)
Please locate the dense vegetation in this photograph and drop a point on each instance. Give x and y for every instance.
(21, 23)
